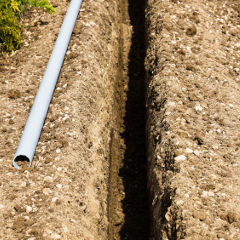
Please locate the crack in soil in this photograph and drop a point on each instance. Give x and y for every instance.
(128, 195)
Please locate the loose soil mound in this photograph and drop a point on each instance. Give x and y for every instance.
(64, 195)
(193, 97)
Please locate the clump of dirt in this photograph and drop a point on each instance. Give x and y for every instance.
(192, 122)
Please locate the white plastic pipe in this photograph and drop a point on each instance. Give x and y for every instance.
(33, 128)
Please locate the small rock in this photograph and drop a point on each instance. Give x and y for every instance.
(14, 93)
(28, 209)
(198, 107)
(188, 150)
(193, 97)
(58, 150)
(11, 122)
(168, 217)
(59, 186)
(46, 191)
(207, 194)
(200, 215)
(48, 179)
(56, 236)
(196, 152)
(23, 184)
(232, 217)
(191, 31)
(220, 235)
(180, 158)
(54, 199)
(19, 209)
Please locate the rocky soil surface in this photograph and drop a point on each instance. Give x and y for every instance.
(193, 123)
(89, 175)
(65, 194)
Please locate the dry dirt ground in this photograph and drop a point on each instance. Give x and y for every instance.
(193, 96)
(92, 165)
(65, 194)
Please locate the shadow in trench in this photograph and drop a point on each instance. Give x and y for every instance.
(134, 170)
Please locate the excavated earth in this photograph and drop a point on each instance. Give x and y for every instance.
(192, 65)
(141, 139)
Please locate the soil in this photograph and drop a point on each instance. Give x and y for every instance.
(64, 195)
(130, 149)
(193, 89)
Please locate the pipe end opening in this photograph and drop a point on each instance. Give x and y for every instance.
(21, 161)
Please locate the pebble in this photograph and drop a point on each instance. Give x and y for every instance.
(56, 236)
(180, 158)
(171, 104)
(54, 199)
(198, 107)
(220, 235)
(58, 150)
(196, 152)
(232, 217)
(200, 215)
(189, 150)
(59, 186)
(14, 93)
(48, 179)
(23, 184)
(207, 194)
(46, 191)
(28, 209)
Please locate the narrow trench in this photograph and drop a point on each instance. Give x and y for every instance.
(129, 213)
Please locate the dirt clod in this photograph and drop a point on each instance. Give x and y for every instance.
(191, 31)
(232, 217)
(14, 93)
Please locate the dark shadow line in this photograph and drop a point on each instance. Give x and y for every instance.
(134, 171)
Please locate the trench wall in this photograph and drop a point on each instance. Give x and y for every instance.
(191, 119)
(65, 194)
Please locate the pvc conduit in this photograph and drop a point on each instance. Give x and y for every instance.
(33, 127)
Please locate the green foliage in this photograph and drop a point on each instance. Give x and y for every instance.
(36, 3)
(10, 28)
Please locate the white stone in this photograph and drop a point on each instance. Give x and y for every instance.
(207, 194)
(196, 152)
(58, 150)
(56, 236)
(180, 202)
(48, 179)
(46, 191)
(171, 104)
(59, 186)
(180, 158)
(189, 150)
(28, 209)
(66, 117)
(23, 184)
(54, 199)
(167, 113)
(198, 107)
